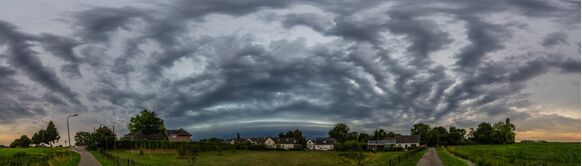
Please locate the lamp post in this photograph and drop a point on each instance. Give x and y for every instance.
(69, 134)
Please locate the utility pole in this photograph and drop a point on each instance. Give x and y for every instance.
(69, 135)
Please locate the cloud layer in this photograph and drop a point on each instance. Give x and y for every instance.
(259, 66)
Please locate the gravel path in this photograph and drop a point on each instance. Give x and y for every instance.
(430, 158)
(87, 159)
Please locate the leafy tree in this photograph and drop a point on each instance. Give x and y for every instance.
(353, 136)
(339, 132)
(83, 138)
(379, 134)
(37, 138)
(104, 137)
(456, 136)
(363, 137)
(296, 134)
(504, 132)
(437, 136)
(483, 134)
(148, 123)
(52, 135)
(391, 134)
(422, 130)
(23, 141)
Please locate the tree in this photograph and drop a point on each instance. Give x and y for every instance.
(391, 134)
(379, 134)
(23, 141)
(36, 139)
(104, 137)
(339, 132)
(483, 134)
(353, 136)
(456, 136)
(422, 130)
(363, 137)
(52, 135)
(83, 138)
(148, 123)
(504, 132)
(437, 136)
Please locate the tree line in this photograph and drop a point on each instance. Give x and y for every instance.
(48, 136)
(502, 132)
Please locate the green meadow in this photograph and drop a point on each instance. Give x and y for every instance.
(257, 158)
(31, 155)
(520, 154)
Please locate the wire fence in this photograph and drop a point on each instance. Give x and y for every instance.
(118, 161)
(404, 157)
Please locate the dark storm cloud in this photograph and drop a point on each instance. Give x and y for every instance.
(238, 82)
(63, 48)
(21, 56)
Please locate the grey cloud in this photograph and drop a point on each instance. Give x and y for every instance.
(24, 58)
(63, 48)
(553, 39)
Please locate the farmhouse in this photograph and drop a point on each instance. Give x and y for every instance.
(179, 135)
(287, 143)
(268, 142)
(382, 144)
(324, 143)
(407, 141)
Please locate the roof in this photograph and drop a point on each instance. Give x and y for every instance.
(286, 141)
(179, 132)
(259, 140)
(408, 139)
(386, 141)
(325, 141)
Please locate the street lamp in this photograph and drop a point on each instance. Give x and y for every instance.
(69, 134)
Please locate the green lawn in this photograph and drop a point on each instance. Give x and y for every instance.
(101, 159)
(31, 154)
(254, 158)
(449, 159)
(520, 154)
(413, 160)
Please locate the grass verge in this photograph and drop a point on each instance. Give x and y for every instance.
(448, 159)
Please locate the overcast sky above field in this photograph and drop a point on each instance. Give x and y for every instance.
(258, 67)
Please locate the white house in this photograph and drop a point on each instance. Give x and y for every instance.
(268, 142)
(324, 143)
(407, 141)
(383, 144)
(287, 143)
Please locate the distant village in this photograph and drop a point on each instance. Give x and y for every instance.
(403, 142)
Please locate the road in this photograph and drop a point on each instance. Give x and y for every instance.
(430, 158)
(87, 159)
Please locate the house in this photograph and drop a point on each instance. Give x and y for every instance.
(324, 143)
(287, 143)
(310, 144)
(268, 142)
(407, 141)
(179, 135)
(383, 144)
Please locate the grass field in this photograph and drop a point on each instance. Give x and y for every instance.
(448, 159)
(520, 154)
(256, 158)
(29, 154)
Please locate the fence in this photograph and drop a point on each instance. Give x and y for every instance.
(34, 160)
(118, 161)
(202, 146)
(403, 157)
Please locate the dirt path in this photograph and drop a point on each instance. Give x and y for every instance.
(430, 158)
(469, 163)
(87, 159)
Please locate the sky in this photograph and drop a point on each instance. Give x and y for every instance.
(260, 67)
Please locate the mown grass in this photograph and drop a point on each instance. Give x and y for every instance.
(32, 154)
(449, 159)
(520, 154)
(254, 158)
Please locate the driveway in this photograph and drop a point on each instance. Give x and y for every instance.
(87, 159)
(430, 158)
